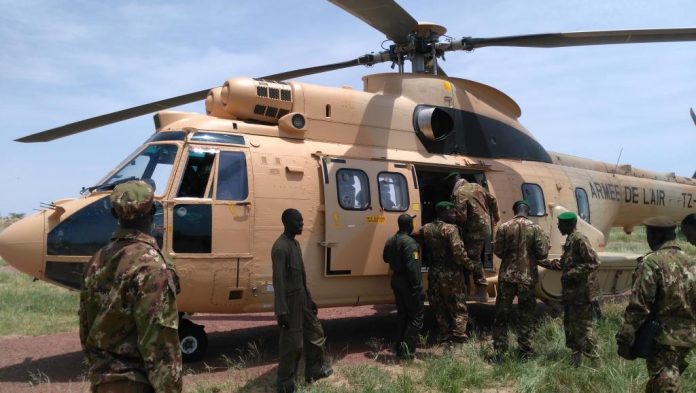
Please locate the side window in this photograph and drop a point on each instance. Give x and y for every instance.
(193, 225)
(534, 195)
(353, 189)
(232, 177)
(194, 182)
(393, 191)
(583, 204)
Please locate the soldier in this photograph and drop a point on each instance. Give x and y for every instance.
(295, 310)
(128, 315)
(446, 284)
(519, 243)
(402, 254)
(475, 206)
(664, 291)
(688, 228)
(580, 287)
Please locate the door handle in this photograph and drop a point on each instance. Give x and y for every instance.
(245, 203)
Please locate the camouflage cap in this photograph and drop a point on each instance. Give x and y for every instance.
(520, 202)
(444, 205)
(132, 199)
(660, 222)
(567, 216)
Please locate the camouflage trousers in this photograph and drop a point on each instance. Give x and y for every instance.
(474, 249)
(665, 365)
(526, 304)
(409, 315)
(305, 333)
(577, 324)
(447, 296)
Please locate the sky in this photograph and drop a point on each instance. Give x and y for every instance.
(63, 61)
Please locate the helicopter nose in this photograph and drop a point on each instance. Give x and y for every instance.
(22, 245)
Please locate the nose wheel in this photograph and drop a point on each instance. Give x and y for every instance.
(193, 340)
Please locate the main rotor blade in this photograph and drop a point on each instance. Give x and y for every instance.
(384, 15)
(125, 114)
(693, 115)
(558, 40)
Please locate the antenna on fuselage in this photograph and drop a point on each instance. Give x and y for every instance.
(617, 161)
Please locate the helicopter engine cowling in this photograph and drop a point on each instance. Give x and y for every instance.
(434, 123)
(261, 100)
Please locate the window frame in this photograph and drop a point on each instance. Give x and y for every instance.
(218, 170)
(587, 201)
(367, 184)
(543, 199)
(406, 189)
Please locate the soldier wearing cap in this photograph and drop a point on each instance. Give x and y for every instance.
(580, 287)
(688, 228)
(296, 312)
(446, 283)
(402, 254)
(475, 206)
(128, 314)
(664, 291)
(519, 243)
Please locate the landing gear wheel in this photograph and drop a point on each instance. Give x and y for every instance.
(193, 340)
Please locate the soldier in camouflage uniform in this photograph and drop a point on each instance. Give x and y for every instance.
(128, 315)
(403, 256)
(688, 228)
(665, 291)
(295, 310)
(475, 206)
(446, 284)
(579, 264)
(519, 243)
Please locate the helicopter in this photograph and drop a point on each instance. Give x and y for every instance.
(351, 161)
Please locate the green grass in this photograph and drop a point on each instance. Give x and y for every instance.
(35, 308)
(467, 370)
(636, 242)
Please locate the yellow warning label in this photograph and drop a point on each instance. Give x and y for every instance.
(415, 207)
(375, 219)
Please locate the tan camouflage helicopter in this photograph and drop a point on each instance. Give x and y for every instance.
(351, 162)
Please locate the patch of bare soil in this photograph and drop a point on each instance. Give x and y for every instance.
(242, 350)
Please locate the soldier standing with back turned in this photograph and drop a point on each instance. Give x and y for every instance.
(519, 243)
(403, 256)
(128, 315)
(475, 205)
(446, 284)
(295, 310)
(664, 291)
(580, 287)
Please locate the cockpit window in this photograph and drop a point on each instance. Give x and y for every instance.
(153, 164)
(194, 182)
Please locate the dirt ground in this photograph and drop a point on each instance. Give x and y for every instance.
(242, 349)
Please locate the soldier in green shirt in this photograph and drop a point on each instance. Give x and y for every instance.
(402, 254)
(580, 287)
(446, 283)
(128, 315)
(519, 243)
(295, 310)
(664, 291)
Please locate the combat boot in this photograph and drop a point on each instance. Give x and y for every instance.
(576, 359)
